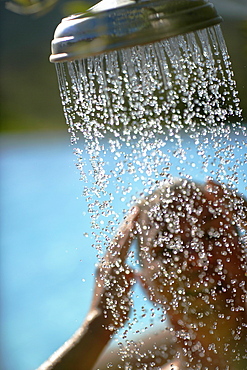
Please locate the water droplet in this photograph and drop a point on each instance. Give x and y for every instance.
(140, 117)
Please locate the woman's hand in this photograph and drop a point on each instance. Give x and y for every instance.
(114, 277)
(110, 306)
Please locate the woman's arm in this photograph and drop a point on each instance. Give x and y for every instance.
(81, 351)
(110, 306)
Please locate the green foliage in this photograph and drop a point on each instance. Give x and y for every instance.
(27, 7)
(75, 6)
(40, 7)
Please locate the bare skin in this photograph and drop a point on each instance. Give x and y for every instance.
(192, 264)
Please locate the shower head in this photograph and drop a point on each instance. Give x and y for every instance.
(117, 24)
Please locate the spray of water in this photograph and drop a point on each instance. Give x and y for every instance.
(138, 118)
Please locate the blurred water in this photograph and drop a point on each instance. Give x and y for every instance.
(47, 263)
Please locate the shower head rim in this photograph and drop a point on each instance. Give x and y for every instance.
(83, 35)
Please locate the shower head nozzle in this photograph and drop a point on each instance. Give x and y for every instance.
(118, 24)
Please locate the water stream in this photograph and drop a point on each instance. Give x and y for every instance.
(140, 117)
(151, 112)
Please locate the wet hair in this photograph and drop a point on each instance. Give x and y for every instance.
(183, 199)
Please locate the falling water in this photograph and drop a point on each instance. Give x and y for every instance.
(139, 117)
(143, 114)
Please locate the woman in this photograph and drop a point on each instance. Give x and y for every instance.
(193, 264)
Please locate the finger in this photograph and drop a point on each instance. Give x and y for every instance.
(129, 222)
(120, 244)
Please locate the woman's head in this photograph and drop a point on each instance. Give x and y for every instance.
(189, 243)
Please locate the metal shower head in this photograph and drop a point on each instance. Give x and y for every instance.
(117, 24)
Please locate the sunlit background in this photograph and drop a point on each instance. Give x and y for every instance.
(47, 263)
